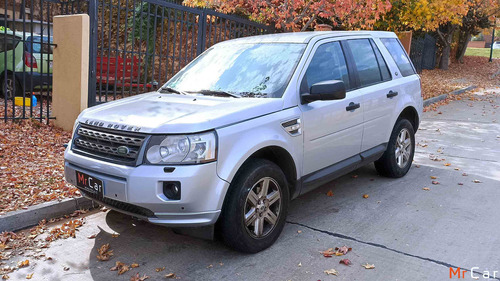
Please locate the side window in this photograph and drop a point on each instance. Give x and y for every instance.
(328, 63)
(7, 43)
(399, 56)
(365, 61)
(382, 65)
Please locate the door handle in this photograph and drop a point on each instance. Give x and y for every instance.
(352, 106)
(392, 94)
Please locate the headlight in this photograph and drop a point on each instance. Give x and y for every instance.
(182, 149)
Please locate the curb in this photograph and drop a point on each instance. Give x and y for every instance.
(21, 219)
(430, 101)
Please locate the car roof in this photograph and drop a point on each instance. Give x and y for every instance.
(20, 34)
(305, 37)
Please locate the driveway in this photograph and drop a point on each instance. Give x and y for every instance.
(407, 232)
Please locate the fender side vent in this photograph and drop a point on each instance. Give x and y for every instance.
(293, 127)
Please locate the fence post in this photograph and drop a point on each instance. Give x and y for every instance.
(92, 53)
(71, 67)
(202, 22)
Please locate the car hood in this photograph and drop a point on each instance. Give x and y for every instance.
(171, 113)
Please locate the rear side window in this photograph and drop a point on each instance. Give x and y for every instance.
(367, 63)
(7, 42)
(399, 55)
(328, 63)
(384, 69)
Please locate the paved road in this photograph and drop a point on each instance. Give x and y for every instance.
(408, 233)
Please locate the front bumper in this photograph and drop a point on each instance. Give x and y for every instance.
(138, 191)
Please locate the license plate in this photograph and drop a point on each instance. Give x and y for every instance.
(89, 183)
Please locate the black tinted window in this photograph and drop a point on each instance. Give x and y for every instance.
(365, 61)
(328, 63)
(399, 55)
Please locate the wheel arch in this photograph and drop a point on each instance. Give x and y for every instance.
(282, 158)
(411, 114)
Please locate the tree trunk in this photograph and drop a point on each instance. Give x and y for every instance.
(446, 39)
(445, 57)
(462, 45)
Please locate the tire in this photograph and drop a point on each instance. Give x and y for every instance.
(395, 167)
(233, 227)
(11, 81)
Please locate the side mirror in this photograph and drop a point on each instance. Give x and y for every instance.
(326, 90)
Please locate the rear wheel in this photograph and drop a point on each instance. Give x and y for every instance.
(397, 159)
(255, 210)
(10, 87)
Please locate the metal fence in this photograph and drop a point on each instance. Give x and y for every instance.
(26, 55)
(423, 52)
(137, 45)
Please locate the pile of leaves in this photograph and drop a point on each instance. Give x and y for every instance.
(31, 164)
(474, 71)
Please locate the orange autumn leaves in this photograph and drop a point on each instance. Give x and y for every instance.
(31, 165)
(302, 14)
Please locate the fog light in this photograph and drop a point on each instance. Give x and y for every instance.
(172, 190)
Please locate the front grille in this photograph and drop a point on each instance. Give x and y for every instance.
(126, 207)
(103, 144)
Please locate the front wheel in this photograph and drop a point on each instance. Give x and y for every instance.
(256, 207)
(397, 159)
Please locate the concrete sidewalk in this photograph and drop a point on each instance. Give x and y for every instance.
(408, 233)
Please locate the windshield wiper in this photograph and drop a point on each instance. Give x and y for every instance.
(172, 90)
(216, 93)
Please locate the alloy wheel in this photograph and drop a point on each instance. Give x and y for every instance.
(262, 207)
(403, 148)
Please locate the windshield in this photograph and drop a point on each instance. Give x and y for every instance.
(241, 70)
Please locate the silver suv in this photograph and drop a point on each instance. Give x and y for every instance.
(247, 126)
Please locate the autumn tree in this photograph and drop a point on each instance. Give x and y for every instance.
(440, 16)
(479, 16)
(299, 15)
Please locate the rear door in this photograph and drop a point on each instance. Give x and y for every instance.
(332, 132)
(379, 92)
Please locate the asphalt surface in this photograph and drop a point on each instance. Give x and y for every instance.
(407, 232)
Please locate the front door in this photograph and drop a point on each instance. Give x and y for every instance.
(332, 129)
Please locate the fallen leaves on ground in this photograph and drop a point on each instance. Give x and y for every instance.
(32, 165)
(134, 265)
(160, 269)
(29, 276)
(68, 229)
(329, 193)
(426, 188)
(366, 196)
(434, 177)
(23, 263)
(474, 71)
(170, 275)
(104, 252)
(338, 251)
(476, 181)
(435, 182)
(137, 277)
(120, 267)
(345, 261)
(331, 272)
(368, 266)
